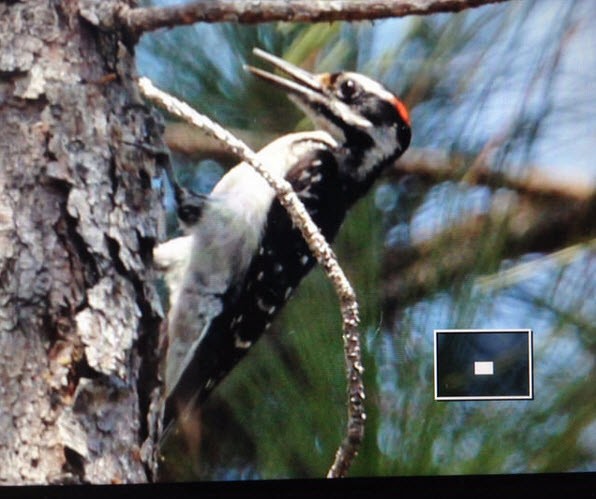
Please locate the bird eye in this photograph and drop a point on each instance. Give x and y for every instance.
(347, 90)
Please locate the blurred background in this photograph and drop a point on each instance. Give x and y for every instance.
(488, 221)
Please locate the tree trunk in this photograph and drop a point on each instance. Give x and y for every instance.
(79, 316)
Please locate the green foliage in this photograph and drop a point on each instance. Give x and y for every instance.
(282, 411)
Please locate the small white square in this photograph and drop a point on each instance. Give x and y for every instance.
(484, 368)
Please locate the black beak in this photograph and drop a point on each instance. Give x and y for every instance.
(301, 83)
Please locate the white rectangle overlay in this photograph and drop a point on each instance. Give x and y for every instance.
(484, 368)
(529, 396)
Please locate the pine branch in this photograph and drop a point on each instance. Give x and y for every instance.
(513, 226)
(519, 273)
(185, 139)
(140, 20)
(320, 249)
(432, 166)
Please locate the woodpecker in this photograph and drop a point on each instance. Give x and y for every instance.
(242, 258)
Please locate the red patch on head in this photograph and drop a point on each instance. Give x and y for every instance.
(402, 110)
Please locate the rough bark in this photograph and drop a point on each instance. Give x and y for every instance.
(78, 219)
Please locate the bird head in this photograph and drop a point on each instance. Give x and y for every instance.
(356, 110)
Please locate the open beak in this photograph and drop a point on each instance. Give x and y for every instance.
(300, 83)
(310, 92)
